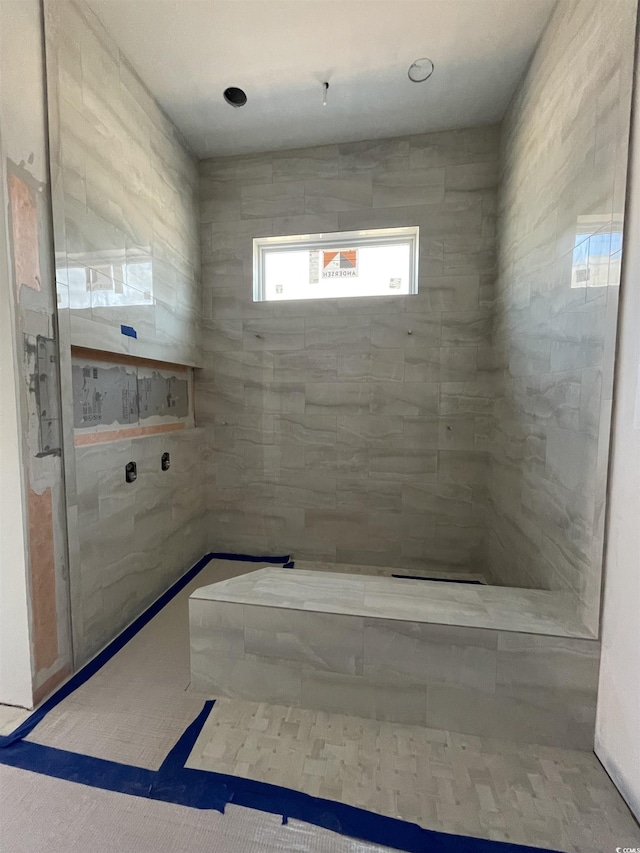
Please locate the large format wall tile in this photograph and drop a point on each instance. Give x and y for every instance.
(480, 681)
(422, 654)
(125, 191)
(559, 234)
(127, 253)
(325, 641)
(364, 392)
(134, 538)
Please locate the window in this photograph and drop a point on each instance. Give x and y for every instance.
(383, 262)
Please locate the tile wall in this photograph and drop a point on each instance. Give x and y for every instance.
(351, 430)
(564, 157)
(134, 539)
(125, 198)
(464, 428)
(485, 682)
(126, 245)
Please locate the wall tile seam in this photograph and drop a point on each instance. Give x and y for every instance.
(346, 177)
(283, 154)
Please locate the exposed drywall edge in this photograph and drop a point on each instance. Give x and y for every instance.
(617, 738)
(25, 163)
(41, 688)
(52, 118)
(15, 651)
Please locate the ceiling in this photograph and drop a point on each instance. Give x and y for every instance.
(281, 51)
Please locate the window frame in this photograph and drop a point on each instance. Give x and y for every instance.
(336, 239)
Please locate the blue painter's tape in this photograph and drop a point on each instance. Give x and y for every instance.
(201, 789)
(75, 767)
(129, 331)
(245, 558)
(177, 757)
(121, 640)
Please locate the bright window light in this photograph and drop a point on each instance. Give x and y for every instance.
(383, 262)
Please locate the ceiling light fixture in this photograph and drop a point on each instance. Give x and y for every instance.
(421, 70)
(235, 97)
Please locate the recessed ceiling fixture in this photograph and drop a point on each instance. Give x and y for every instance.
(420, 70)
(234, 96)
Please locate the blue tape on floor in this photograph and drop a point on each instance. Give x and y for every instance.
(83, 769)
(96, 663)
(246, 558)
(178, 756)
(201, 789)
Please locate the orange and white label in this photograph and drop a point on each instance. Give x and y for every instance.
(340, 264)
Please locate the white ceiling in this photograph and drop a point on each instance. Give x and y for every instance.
(280, 52)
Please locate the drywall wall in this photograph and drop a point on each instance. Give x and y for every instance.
(351, 430)
(126, 241)
(618, 716)
(36, 540)
(564, 154)
(15, 653)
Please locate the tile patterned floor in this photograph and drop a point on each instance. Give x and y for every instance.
(505, 791)
(138, 705)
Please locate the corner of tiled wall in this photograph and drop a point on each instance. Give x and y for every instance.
(560, 236)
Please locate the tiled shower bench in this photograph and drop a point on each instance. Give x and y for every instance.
(484, 660)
